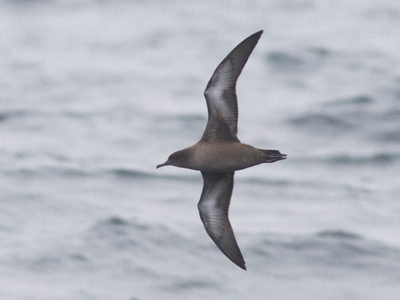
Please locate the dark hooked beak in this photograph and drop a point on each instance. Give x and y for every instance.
(162, 165)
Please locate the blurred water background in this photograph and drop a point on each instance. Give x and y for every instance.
(94, 94)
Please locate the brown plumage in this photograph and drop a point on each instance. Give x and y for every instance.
(219, 153)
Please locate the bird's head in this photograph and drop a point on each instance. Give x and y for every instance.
(177, 159)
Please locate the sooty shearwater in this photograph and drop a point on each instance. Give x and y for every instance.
(219, 153)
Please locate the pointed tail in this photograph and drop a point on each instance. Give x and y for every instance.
(273, 155)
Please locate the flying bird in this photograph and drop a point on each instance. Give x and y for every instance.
(219, 153)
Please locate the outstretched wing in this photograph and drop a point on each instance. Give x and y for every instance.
(220, 93)
(213, 206)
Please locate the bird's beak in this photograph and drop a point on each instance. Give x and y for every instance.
(162, 165)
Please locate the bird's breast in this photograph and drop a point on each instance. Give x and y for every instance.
(225, 157)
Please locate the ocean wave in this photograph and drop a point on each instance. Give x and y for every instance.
(357, 100)
(45, 172)
(382, 157)
(178, 125)
(361, 117)
(120, 233)
(334, 248)
(320, 121)
(338, 234)
(343, 113)
(130, 173)
(113, 242)
(140, 174)
(147, 248)
(298, 60)
(6, 115)
(184, 283)
(350, 158)
(71, 172)
(265, 181)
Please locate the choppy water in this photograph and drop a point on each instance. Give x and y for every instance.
(95, 94)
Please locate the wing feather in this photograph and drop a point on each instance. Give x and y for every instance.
(213, 207)
(220, 93)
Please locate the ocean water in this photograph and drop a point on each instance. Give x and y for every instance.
(95, 94)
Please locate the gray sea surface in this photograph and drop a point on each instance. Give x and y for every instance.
(94, 94)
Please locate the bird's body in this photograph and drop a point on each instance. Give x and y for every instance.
(219, 153)
(221, 157)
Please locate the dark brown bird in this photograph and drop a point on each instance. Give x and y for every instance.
(219, 153)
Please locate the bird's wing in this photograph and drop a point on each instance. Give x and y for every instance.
(213, 206)
(220, 93)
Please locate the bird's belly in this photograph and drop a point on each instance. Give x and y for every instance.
(226, 157)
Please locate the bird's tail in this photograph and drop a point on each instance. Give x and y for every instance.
(273, 155)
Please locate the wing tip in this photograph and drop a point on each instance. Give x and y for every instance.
(242, 265)
(257, 35)
(233, 253)
(238, 260)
